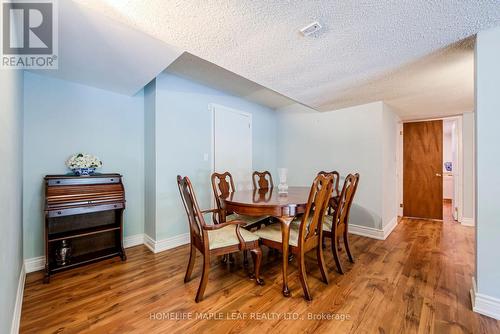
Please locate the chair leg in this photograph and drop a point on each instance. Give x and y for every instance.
(336, 254)
(204, 278)
(303, 276)
(257, 260)
(245, 258)
(338, 244)
(231, 258)
(189, 270)
(321, 263)
(347, 248)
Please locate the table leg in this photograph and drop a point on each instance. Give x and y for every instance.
(285, 238)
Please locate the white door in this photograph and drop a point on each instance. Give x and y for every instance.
(232, 146)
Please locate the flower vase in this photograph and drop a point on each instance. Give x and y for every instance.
(84, 171)
(282, 186)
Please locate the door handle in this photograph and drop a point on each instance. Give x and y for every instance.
(437, 174)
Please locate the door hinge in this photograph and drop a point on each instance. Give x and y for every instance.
(400, 205)
(400, 132)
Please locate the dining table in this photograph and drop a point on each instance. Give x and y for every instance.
(284, 207)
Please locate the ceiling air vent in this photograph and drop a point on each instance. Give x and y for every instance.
(311, 28)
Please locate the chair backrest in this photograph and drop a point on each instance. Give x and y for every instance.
(195, 217)
(222, 185)
(346, 197)
(262, 180)
(336, 178)
(319, 197)
(355, 187)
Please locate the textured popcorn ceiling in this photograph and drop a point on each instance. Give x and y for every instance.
(362, 44)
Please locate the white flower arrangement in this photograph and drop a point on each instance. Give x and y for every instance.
(83, 160)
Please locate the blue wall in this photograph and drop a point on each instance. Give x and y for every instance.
(347, 140)
(183, 136)
(150, 159)
(63, 118)
(149, 138)
(11, 241)
(487, 162)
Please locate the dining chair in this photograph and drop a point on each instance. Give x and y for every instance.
(333, 200)
(306, 231)
(336, 225)
(262, 180)
(213, 240)
(222, 185)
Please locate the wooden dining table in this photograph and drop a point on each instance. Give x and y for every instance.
(268, 202)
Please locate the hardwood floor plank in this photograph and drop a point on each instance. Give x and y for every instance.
(415, 281)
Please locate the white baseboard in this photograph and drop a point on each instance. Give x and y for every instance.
(484, 304)
(16, 317)
(38, 263)
(390, 227)
(374, 233)
(34, 264)
(467, 221)
(169, 243)
(133, 240)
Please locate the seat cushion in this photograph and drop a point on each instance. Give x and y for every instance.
(327, 223)
(226, 236)
(273, 232)
(249, 220)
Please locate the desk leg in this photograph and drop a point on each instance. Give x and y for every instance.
(285, 238)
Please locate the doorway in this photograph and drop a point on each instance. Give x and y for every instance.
(232, 144)
(431, 168)
(450, 165)
(422, 169)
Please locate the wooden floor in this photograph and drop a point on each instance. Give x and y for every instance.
(416, 281)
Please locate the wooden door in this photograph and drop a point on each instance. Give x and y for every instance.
(422, 169)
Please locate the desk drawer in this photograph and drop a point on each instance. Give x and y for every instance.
(85, 209)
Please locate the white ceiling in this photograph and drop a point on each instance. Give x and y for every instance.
(361, 43)
(440, 84)
(205, 72)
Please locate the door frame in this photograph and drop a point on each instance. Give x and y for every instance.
(458, 181)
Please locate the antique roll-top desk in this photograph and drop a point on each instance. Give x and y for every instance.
(83, 220)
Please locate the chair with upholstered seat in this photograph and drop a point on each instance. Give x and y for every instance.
(336, 225)
(262, 180)
(213, 240)
(306, 231)
(222, 185)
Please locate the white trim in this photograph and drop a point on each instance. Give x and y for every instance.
(38, 263)
(390, 227)
(149, 243)
(34, 264)
(133, 240)
(16, 316)
(399, 172)
(484, 304)
(165, 244)
(374, 233)
(467, 221)
(458, 178)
